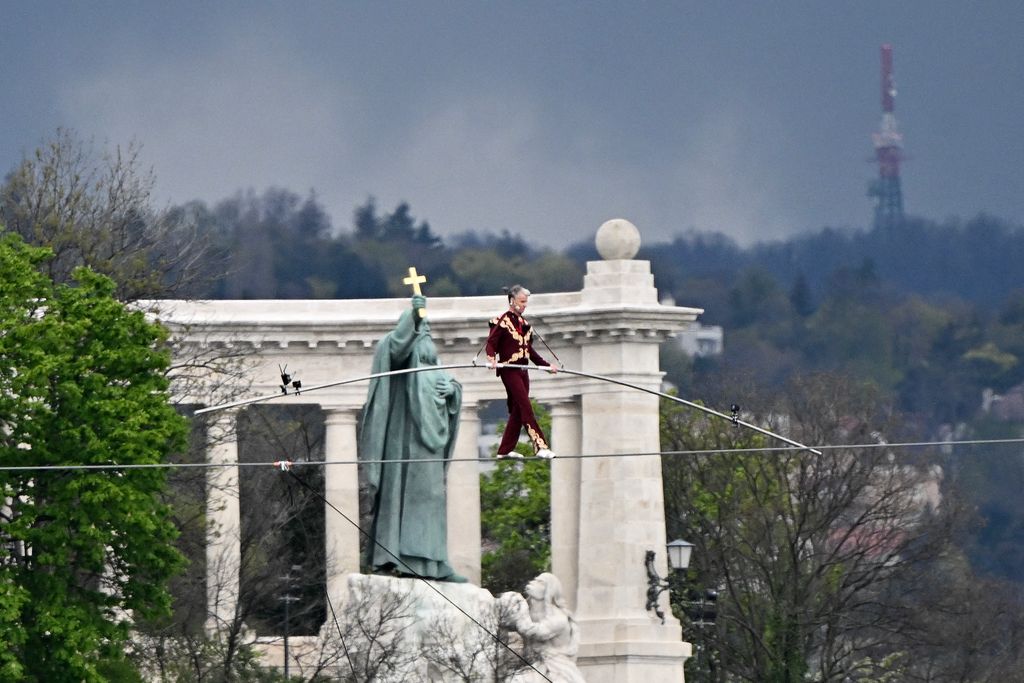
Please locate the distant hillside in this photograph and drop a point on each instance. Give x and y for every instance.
(978, 261)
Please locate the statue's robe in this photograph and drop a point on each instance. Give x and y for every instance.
(406, 418)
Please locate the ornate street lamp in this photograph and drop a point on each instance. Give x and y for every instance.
(678, 558)
(679, 554)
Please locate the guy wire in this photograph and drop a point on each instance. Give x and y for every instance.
(582, 456)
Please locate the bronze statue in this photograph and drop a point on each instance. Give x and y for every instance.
(408, 434)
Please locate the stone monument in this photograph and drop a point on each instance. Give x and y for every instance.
(410, 424)
(606, 512)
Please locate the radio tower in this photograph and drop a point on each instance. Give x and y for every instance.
(889, 153)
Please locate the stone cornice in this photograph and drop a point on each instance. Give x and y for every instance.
(354, 325)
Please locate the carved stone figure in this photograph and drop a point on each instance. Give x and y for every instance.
(408, 434)
(547, 628)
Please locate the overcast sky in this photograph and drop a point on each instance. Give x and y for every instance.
(542, 118)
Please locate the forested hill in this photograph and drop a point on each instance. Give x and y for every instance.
(977, 261)
(281, 245)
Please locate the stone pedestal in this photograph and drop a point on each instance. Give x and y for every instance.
(420, 630)
(621, 510)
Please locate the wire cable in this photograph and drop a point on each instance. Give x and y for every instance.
(734, 419)
(341, 636)
(278, 464)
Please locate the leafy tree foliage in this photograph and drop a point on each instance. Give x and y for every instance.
(482, 272)
(515, 516)
(398, 226)
(974, 260)
(81, 383)
(936, 358)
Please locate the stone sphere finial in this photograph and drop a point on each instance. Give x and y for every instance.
(617, 239)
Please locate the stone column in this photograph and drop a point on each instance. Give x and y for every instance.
(621, 499)
(341, 489)
(464, 497)
(566, 440)
(223, 531)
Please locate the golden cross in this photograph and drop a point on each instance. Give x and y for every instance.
(415, 280)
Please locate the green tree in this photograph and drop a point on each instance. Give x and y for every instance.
(485, 270)
(391, 243)
(551, 272)
(800, 297)
(757, 297)
(82, 382)
(515, 516)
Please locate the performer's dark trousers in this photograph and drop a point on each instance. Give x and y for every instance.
(520, 412)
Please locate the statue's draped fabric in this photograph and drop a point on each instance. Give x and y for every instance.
(412, 417)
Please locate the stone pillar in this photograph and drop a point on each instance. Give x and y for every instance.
(621, 499)
(565, 494)
(464, 497)
(223, 531)
(341, 489)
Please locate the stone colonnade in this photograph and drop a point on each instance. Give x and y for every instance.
(605, 511)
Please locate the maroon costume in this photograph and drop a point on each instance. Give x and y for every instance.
(510, 342)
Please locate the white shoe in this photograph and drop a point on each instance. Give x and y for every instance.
(545, 453)
(513, 454)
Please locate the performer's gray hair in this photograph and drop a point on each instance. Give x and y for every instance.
(514, 291)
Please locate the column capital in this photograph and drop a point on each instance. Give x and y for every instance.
(471, 402)
(340, 415)
(565, 407)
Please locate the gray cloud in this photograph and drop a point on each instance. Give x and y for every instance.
(233, 118)
(540, 120)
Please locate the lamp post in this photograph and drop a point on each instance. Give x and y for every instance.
(288, 598)
(678, 552)
(700, 606)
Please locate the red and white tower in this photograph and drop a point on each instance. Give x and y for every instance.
(888, 153)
